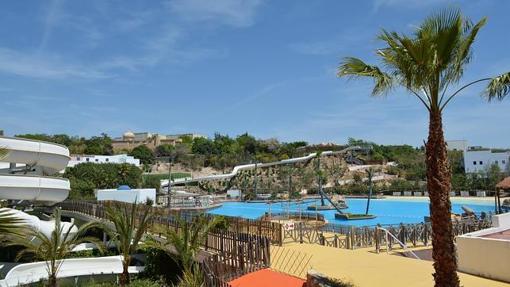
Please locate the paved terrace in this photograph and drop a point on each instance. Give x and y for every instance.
(365, 268)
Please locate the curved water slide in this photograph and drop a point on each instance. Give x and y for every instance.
(30, 163)
(24, 176)
(238, 168)
(35, 272)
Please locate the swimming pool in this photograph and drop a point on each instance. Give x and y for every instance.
(388, 211)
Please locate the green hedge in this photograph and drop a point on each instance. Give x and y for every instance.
(86, 177)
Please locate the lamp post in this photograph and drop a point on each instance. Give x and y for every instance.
(169, 188)
(319, 177)
(170, 159)
(255, 180)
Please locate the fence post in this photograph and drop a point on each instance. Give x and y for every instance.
(426, 234)
(377, 243)
(352, 235)
(301, 232)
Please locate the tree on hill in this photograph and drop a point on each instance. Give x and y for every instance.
(97, 145)
(143, 153)
(101, 145)
(164, 150)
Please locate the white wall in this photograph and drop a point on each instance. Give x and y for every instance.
(129, 196)
(119, 158)
(486, 257)
(476, 161)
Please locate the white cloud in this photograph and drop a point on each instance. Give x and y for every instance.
(51, 18)
(238, 13)
(44, 66)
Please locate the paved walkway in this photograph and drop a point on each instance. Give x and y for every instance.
(364, 268)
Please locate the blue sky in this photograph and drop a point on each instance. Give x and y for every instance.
(229, 66)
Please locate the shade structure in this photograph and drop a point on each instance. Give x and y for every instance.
(504, 184)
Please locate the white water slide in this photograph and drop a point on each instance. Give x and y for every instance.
(37, 271)
(24, 176)
(29, 163)
(238, 168)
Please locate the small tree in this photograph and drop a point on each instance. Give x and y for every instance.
(55, 248)
(183, 245)
(165, 150)
(131, 222)
(143, 153)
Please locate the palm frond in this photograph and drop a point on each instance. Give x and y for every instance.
(463, 52)
(130, 225)
(9, 223)
(357, 68)
(52, 249)
(498, 87)
(438, 22)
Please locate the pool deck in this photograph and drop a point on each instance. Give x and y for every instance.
(365, 268)
(485, 199)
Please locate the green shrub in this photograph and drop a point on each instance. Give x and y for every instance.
(86, 177)
(159, 265)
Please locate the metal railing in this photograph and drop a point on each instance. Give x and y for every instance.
(402, 244)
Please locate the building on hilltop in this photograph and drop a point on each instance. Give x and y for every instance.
(118, 158)
(457, 145)
(190, 135)
(130, 140)
(481, 159)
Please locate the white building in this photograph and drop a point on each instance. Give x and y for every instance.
(125, 194)
(459, 145)
(118, 158)
(480, 160)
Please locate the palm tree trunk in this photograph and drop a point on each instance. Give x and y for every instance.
(438, 184)
(124, 277)
(52, 281)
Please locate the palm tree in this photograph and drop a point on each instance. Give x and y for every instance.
(131, 222)
(53, 249)
(429, 64)
(183, 244)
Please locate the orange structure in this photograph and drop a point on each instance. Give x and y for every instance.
(267, 278)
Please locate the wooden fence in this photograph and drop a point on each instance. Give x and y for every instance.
(352, 237)
(230, 253)
(271, 230)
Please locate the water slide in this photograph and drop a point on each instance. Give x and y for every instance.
(35, 272)
(24, 175)
(238, 168)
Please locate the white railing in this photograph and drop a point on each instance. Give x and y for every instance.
(403, 245)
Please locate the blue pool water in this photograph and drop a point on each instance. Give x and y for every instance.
(388, 211)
